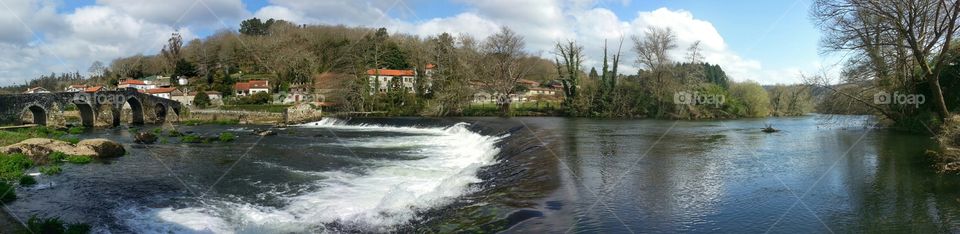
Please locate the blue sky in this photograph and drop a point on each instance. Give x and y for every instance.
(765, 41)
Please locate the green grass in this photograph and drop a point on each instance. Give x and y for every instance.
(174, 133)
(50, 170)
(72, 140)
(227, 137)
(56, 226)
(157, 131)
(79, 159)
(12, 166)
(57, 156)
(75, 130)
(191, 139)
(258, 108)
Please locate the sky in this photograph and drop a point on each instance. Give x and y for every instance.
(769, 42)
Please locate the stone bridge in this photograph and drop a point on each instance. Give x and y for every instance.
(100, 109)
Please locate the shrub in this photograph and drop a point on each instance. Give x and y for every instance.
(27, 180)
(6, 192)
(157, 131)
(57, 156)
(50, 170)
(75, 130)
(72, 140)
(227, 137)
(174, 133)
(12, 166)
(79, 159)
(191, 139)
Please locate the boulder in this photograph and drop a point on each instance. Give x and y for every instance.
(104, 148)
(145, 138)
(264, 132)
(39, 148)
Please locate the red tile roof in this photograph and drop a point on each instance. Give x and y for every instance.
(528, 82)
(132, 82)
(390, 72)
(161, 90)
(431, 66)
(252, 84)
(93, 89)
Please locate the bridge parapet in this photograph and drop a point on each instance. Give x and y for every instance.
(100, 109)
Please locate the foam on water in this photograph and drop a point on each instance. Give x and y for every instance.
(378, 200)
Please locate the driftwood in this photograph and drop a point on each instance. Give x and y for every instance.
(770, 129)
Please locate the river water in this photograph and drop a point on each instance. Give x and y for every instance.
(515, 175)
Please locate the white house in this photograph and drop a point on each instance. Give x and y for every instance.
(164, 92)
(137, 84)
(252, 87)
(75, 88)
(36, 90)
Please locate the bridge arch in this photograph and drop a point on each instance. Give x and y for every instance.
(37, 115)
(86, 114)
(136, 110)
(161, 111)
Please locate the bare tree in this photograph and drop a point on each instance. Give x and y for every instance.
(652, 54)
(504, 61)
(892, 39)
(171, 51)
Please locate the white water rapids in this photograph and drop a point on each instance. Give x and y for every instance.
(377, 200)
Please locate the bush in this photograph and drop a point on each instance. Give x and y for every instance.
(12, 166)
(27, 180)
(72, 140)
(257, 98)
(157, 131)
(57, 156)
(79, 159)
(227, 137)
(50, 170)
(201, 99)
(190, 139)
(6, 193)
(75, 130)
(55, 225)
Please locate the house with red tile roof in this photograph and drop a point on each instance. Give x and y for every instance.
(36, 90)
(381, 79)
(93, 89)
(252, 87)
(164, 92)
(75, 88)
(137, 84)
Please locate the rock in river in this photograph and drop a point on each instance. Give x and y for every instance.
(145, 138)
(103, 147)
(38, 148)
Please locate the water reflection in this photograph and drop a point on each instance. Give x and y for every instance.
(727, 176)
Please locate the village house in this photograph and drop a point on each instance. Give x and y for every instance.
(136, 84)
(158, 81)
(187, 98)
(164, 92)
(381, 80)
(252, 87)
(36, 90)
(75, 88)
(93, 89)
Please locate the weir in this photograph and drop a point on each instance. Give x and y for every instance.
(98, 109)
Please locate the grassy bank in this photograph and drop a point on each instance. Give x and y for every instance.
(257, 108)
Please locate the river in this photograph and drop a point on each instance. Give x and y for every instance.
(539, 175)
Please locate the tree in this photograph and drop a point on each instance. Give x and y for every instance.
(201, 100)
(652, 54)
(256, 27)
(901, 44)
(97, 69)
(503, 65)
(754, 98)
(172, 51)
(568, 66)
(184, 68)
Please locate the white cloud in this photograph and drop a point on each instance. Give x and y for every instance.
(180, 12)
